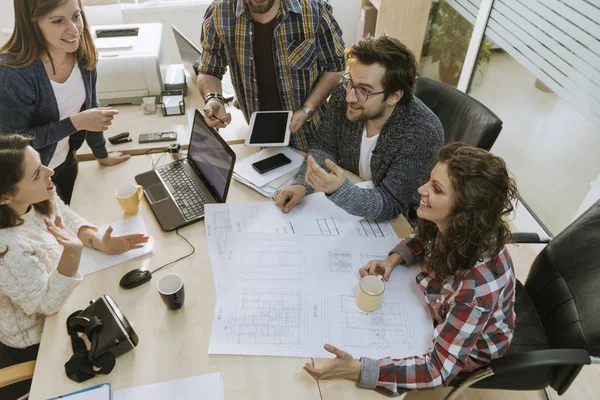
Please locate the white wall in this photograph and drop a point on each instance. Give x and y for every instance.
(188, 19)
(347, 14)
(7, 20)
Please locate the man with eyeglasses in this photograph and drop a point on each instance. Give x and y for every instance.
(375, 128)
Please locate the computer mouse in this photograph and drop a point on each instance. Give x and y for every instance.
(135, 278)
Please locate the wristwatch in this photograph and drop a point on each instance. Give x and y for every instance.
(216, 96)
(309, 111)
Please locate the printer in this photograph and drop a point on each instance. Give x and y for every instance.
(131, 62)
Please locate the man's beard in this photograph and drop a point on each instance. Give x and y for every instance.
(363, 116)
(262, 9)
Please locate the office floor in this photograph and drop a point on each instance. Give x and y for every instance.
(548, 145)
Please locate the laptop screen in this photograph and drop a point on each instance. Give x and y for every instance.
(210, 158)
(187, 50)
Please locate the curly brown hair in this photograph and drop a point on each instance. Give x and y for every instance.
(477, 226)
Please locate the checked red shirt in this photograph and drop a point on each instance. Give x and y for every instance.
(474, 321)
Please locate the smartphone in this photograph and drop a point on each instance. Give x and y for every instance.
(270, 163)
(157, 137)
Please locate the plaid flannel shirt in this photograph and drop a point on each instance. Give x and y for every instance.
(474, 323)
(307, 41)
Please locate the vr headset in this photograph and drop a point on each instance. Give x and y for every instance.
(109, 334)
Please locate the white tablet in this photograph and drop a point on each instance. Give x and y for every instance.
(269, 128)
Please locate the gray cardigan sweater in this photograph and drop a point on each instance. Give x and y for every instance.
(402, 157)
(28, 106)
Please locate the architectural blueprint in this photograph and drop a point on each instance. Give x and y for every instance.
(286, 283)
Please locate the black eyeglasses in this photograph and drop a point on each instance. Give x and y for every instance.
(360, 93)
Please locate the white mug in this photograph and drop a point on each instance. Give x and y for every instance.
(370, 292)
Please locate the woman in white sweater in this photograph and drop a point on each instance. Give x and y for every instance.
(41, 240)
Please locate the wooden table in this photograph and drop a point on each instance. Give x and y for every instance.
(131, 119)
(173, 344)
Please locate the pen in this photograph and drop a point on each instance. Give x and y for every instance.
(221, 120)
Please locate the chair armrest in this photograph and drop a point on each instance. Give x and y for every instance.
(527, 237)
(516, 363)
(16, 373)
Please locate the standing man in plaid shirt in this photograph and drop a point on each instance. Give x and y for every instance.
(282, 55)
(467, 276)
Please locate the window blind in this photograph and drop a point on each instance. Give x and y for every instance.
(466, 8)
(558, 41)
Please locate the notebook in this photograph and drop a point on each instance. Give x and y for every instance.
(98, 392)
(243, 168)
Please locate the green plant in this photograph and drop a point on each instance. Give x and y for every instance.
(447, 41)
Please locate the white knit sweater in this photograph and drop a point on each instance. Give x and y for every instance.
(30, 285)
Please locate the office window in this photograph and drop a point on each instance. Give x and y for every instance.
(542, 78)
(447, 39)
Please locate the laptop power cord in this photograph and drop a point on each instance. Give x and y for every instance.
(174, 150)
(180, 258)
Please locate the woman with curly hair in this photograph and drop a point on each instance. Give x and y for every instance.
(467, 276)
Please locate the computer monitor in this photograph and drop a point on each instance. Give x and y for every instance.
(190, 54)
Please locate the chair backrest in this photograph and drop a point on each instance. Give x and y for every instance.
(16, 373)
(464, 119)
(564, 283)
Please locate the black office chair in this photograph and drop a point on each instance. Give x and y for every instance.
(558, 324)
(464, 119)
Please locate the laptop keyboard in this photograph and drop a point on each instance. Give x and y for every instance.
(187, 195)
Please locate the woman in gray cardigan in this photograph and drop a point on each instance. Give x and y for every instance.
(48, 87)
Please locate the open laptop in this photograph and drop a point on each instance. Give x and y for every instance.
(177, 192)
(190, 53)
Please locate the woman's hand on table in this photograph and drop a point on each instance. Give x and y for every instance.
(343, 366)
(121, 243)
(114, 158)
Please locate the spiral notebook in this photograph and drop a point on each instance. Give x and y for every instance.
(244, 170)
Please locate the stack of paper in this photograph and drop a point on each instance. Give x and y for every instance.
(203, 387)
(270, 182)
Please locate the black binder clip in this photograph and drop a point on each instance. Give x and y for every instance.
(120, 138)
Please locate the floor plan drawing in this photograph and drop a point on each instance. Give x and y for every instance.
(273, 260)
(270, 318)
(340, 261)
(288, 229)
(365, 257)
(259, 319)
(371, 228)
(222, 224)
(386, 329)
(286, 283)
